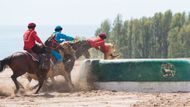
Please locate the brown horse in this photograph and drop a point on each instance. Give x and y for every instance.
(22, 62)
(63, 68)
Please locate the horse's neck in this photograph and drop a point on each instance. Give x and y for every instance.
(82, 51)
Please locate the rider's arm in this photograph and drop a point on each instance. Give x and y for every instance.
(67, 38)
(59, 38)
(62, 37)
(37, 38)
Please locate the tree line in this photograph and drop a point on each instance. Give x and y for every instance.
(164, 35)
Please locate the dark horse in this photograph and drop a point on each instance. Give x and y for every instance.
(81, 49)
(22, 62)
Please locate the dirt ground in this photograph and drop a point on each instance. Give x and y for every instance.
(57, 95)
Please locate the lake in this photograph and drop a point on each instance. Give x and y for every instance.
(11, 37)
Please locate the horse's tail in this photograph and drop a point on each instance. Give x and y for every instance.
(5, 62)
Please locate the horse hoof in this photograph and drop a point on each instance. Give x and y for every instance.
(72, 88)
(15, 91)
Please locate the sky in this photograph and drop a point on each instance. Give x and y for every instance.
(82, 12)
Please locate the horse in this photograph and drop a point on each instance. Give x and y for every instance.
(22, 62)
(63, 68)
(68, 55)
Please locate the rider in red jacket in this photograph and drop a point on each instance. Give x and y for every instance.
(99, 43)
(30, 37)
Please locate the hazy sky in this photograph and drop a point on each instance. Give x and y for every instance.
(85, 12)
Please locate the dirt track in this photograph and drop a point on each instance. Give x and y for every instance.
(59, 97)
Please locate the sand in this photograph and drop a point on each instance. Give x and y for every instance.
(57, 95)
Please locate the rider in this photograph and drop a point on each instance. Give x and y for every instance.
(59, 38)
(30, 37)
(98, 42)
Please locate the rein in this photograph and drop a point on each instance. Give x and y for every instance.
(53, 43)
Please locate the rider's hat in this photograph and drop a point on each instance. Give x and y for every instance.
(58, 28)
(31, 25)
(102, 35)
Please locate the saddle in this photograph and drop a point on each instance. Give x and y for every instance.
(43, 64)
(33, 55)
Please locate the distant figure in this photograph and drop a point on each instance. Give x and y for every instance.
(59, 37)
(30, 39)
(98, 42)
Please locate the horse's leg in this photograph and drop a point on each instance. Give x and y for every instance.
(51, 75)
(105, 56)
(29, 79)
(14, 78)
(40, 86)
(40, 80)
(52, 79)
(86, 54)
(34, 87)
(20, 85)
(42, 75)
(68, 70)
(68, 80)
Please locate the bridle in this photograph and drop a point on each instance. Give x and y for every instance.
(52, 43)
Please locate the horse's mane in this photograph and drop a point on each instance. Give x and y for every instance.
(81, 48)
(48, 39)
(78, 44)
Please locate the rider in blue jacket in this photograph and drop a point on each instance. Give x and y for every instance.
(59, 37)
